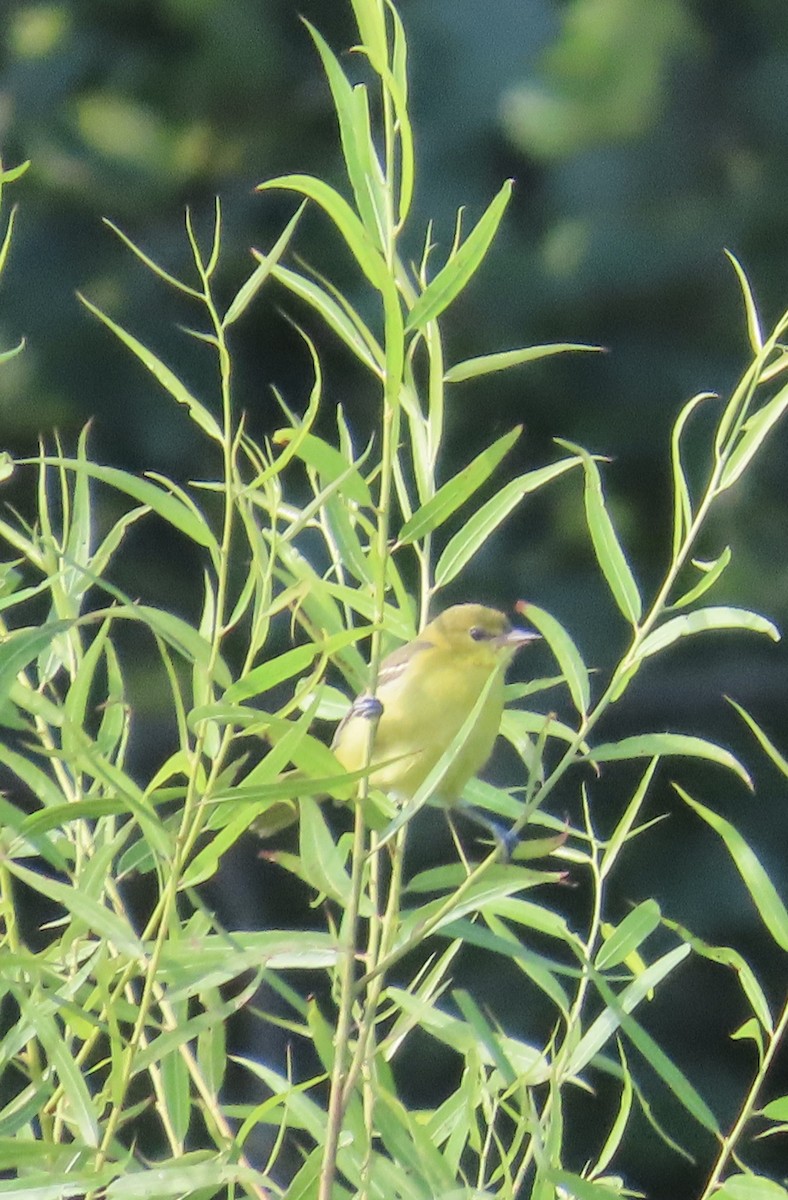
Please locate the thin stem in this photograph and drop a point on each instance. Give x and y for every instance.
(747, 1109)
(337, 1101)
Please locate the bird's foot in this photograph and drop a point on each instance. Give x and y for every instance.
(368, 707)
(505, 838)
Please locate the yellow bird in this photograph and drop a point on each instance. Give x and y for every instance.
(425, 693)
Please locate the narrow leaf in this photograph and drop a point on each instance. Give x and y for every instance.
(647, 745)
(768, 746)
(763, 892)
(167, 378)
(754, 432)
(628, 936)
(99, 919)
(453, 277)
(320, 856)
(750, 1187)
(265, 266)
(358, 150)
(682, 503)
(710, 573)
(487, 364)
(463, 546)
(163, 503)
(344, 321)
(753, 320)
(607, 547)
(457, 490)
(566, 653)
(700, 621)
(347, 223)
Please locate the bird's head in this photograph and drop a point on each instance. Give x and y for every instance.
(477, 633)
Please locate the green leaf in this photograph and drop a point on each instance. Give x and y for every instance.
(629, 935)
(193, 964)
(727, 957)
(174, 1075)
(682, 504)
(347, 223)
(152, 265)
(776, 1110)
(485, 1034)
(754, 432)
(21, 646)
(340, 317)
(566, 653)
(167, 378)
(768, 746)
(624, 826)
(98, 918)
(618, 1128)
(701, 620)
(603, 1028)
(165, 505)
(676, 1081)
(453, 277)
(750, 1187)
(37, 1013)
(11, 174)
(212, 1041)
(763, 892)
(710, 573)
(475, 532)
(358, 149)
(179, 634)
(329, 462)
(371, 21)
(6, 356)
(753, 320)
(568, 1184)
(451, 495)
(321, 859)
(265, 266)
(269, 674)
(183, 1176)
(487, 364)
(607, 547)
(647, 745)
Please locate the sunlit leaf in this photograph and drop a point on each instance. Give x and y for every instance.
(780, 762)
(702, 620)
(477, 529)
(265, 266)
(753, 320)
(647, 745)
(167, 378)
(457, 490)
(567, 655)
(628, 935)
(609, 553)
(453, 277)
(710, 573)
(750, 1187)
(754, 432)
(487, 364)
(763, 892)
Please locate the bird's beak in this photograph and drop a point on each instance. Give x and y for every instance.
(515, 638)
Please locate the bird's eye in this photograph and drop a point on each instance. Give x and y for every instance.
(478, 633)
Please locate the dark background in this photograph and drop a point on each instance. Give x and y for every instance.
(643, 139)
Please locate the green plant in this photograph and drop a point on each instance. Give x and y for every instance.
(108, 1016)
